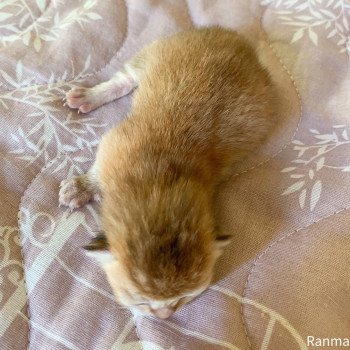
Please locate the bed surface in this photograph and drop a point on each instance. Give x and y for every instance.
(286, 275)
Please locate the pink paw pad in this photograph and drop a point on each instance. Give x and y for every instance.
(80, 98)
(74, 193)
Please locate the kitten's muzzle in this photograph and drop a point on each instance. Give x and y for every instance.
(164, 312)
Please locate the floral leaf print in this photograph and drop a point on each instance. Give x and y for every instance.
(48, 127)
(41, 4)
(310, 160)
(302, 197)
(295, 187)
(312, 19)
(24, 25)
(315, 194)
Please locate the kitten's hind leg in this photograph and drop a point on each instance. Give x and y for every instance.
(123, 82)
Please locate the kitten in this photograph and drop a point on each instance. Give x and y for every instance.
(203, 102)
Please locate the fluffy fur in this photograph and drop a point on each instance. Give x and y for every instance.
(203, 102)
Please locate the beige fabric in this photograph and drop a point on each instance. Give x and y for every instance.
(286, 275)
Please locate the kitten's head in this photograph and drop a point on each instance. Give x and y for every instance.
(162, 283)
(158, 253)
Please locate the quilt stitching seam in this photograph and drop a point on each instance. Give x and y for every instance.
(273, 156)
(299, 100)
(270, 246)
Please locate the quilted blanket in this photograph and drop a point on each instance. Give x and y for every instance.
(283, 283)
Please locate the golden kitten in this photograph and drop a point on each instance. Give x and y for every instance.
(202, 102)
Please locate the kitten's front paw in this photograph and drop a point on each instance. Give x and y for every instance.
(81, 98)
(76, 192)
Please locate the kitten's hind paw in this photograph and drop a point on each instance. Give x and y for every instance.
(76, 192)
(82, 98)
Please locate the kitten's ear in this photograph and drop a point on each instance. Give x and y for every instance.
(221, 241)
(98, 249)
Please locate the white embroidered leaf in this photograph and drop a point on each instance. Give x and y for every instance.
(26, 37)
(87, 62)
(339, 27)
(47, 37)
(346, 169)
(9, 38)
(304, 18)
(328, 13)
(19, 71)
(69, 148)
(293, 188)
(299, 161)
(15, 137)
(297, 142)
(56, 18)
(93, 15)
(37, 44)
(44, 19)
(20, 131)
(8, 79)
(41, 4)
(35, 128)
(295, 24)
(61, 166)
(332, 33)
(345, 135)
(320, 163)
(64, 76)
(315, 194)
(17, 151)
(326, 137)
(297, 176)
(317, 23)
(284, 18)
(314, 131)
(311, 174)
(338, 4)
(79, 142)
(302, 197)
(302, 6)
(286, 170)
(313, 36)
(26, 158)
(300, 149)
(339, 126)
(315, 13)
(297, 35)
(31, 145)
(342, 41)
(23, 19)
(4, 16)
(89, 4)
(5, 3)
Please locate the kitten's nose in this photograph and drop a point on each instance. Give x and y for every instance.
(164, 312)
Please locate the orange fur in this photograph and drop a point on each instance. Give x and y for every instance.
(203, 102)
